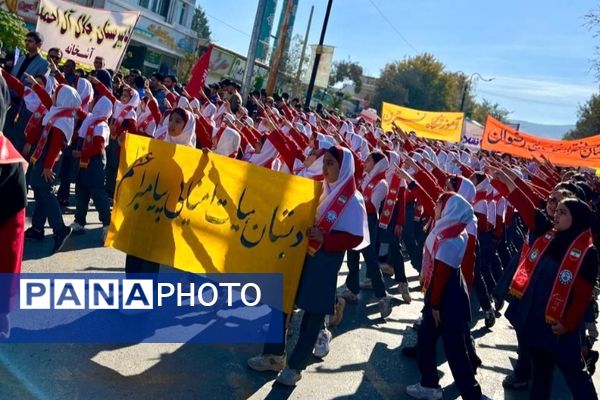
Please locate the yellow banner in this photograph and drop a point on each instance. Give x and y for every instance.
(204, 213)
(445, 126)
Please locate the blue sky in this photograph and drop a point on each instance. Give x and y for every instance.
(539, 52)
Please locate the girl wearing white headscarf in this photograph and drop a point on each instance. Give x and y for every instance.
(86, 92)
(93, 136)
(265, 153)
(179, 128)
(37, 101)
(374, 189)
(58, 124)
(313, 165)
(447, 308)
(340, 225)
(226, 140)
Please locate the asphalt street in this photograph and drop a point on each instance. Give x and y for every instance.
(365, 361)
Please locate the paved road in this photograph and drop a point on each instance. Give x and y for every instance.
(365, 361)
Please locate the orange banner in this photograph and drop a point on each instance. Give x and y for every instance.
(577, 153)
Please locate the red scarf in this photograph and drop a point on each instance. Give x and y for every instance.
(35, 121)
(450, 232)
(8, 153)
(119, 120)
(332, 213)
(88, 141)
(390, 202)
(145, 122)
(563, 283)
(39, 148)
(371, 185)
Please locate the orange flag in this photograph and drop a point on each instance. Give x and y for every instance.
(577, 153)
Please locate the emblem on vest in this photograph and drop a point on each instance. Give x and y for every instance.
(565, 276)
(366, 199)
(575, 254)
(534, 255)
(386, 213)
(331, 216)
(390, 202)
(37, 115)
(342, 199)
(393, 191)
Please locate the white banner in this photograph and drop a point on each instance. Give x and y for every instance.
(472, 134)
(83, 33)
(324, 66)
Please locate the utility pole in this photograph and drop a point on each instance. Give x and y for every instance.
(319, 50)
(297, 83)
(281, 40)
(249, 71)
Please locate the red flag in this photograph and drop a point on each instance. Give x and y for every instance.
(199, 72)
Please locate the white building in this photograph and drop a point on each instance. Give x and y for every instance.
(162, 35)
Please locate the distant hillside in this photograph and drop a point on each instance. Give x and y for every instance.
(547, 131)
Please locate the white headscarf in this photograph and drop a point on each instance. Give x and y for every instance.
(134, 101)
(451, 251)
(66, 98)
(379, 167)
(315, 170)
(143, 112)
(102, 110)
(430, 154)
(195, 104)
(184, 103)
(267, 155)
(32, 100)
(354, 218)
(229, 143)
(86, 92)
(188, 134)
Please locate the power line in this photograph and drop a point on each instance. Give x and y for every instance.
(227, 24)
(393, 27)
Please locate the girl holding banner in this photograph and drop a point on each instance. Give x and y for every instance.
(341, 225)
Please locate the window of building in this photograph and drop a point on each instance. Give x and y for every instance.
(183, 14)
(144, 3)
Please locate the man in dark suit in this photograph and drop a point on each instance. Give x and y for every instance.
(33, 64)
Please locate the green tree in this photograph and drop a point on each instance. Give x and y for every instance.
(342, 70)
(12, 30)
(291, 60)
(421, 82)
(588, 121)
(485, 108)
(200, 24)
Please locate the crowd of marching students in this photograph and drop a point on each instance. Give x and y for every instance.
(504, 228)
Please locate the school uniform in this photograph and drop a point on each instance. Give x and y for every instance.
(344, 225)
(58, 128)
(374, 189)
(554, 282)
(93, 136)
(445, 291)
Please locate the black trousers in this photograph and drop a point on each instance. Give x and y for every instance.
(455, 347)
(310, 326)
(136, 265)
(571, 365)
